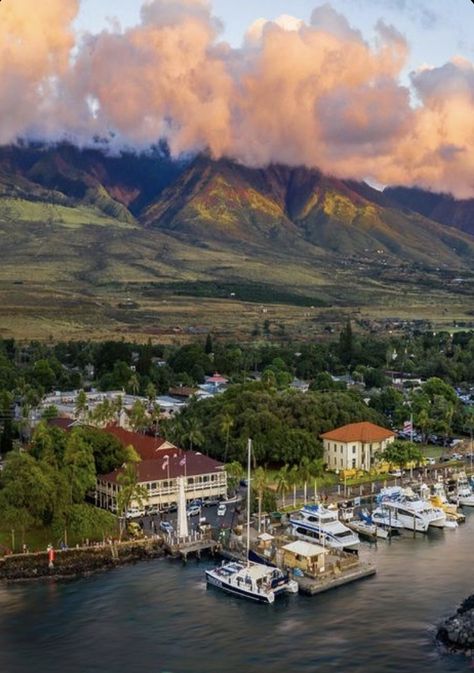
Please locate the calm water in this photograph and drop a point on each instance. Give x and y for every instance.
(159, 617)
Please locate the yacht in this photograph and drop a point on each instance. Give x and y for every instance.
(246, 579)
(439, 499)
(415, 514)
(383, 517)
(461, 491)
(315, 523)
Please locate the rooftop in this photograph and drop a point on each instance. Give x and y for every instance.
(359, 432)
(147, 447)
(307, 549)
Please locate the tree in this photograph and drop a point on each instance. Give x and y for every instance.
(346, 344)
(227, 423)
(259, 484)
(209, 348)
(150, 392)
(235, 472)
(283, 482)
(400, 453)
(193, 434)
(79, 466)
(138, 417)
(134, 384)
(129, 491)
(81, 405)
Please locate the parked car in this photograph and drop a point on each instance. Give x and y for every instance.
(134, 513)
(430, 460)
(166, 527)
(152, 510)
(244, 483)
(193, 510)
(222, 509)
(395, 473)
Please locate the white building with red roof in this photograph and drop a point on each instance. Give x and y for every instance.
(157, 471)
(355, 446)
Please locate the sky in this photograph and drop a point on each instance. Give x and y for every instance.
(435, 29)
(367, 89)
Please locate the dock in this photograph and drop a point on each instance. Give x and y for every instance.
(193, 545)
(312, 586)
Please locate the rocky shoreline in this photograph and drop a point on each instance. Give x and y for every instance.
(69, 563)
(457, 632)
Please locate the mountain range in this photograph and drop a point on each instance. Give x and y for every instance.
(87, 218)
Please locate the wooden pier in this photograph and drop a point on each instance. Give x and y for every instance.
(192, 545)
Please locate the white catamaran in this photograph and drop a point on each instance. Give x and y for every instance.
(255, 581)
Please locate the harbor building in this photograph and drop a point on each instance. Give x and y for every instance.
(355, 446)
(158, 470)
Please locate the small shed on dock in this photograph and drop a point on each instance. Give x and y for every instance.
(308, 557)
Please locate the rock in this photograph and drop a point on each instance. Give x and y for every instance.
(457, 632)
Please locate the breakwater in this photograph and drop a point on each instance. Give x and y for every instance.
(78, 561)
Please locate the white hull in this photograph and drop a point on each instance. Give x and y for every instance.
(240, 592)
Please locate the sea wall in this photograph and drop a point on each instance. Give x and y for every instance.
(77, 561)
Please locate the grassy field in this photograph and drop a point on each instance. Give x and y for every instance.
(75, 276)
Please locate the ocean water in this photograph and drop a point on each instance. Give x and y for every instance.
(159, 617)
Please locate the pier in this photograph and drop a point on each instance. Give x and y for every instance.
(194, 544)
(312, 586)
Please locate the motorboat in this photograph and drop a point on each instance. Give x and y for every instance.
(414, 512)
(460, 491)
(385, 518)
(247, 579)
(439, 499)
(255, 581)
(316, 523)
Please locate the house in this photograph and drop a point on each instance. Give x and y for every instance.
(217, 380)
(355, 446)
(161, 463)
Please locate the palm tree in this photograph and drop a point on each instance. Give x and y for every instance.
(81, 405)
(283, 482)
(227, 423)
(129, 490)
(260, 484)
(193, 432)
(134, 384)
(235, 473)
(307, 470)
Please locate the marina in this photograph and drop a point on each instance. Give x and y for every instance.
(157, 606)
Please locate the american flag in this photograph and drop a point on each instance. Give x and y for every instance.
(408, 426)
(183, 461)
(166, 462)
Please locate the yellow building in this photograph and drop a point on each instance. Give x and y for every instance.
(355, 446)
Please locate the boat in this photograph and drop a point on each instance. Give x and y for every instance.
(439, 499)
(315, 523)
(460, 491)
(247, 579)
(415, 513)
(386, 519)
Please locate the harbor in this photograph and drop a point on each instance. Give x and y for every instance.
(164, 618)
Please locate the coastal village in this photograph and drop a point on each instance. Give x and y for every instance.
(184, 503)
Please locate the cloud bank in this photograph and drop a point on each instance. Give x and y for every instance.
(315, 94)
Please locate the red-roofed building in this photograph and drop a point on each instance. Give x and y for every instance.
(354, 446)
(161, 464)
(147, 447)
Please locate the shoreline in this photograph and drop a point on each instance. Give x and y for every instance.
(77, 562)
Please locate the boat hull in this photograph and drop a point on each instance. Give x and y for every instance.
(239, 592)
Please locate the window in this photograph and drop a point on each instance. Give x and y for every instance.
(354, 463)
(354, 449)
(342, 449)
(342, 463)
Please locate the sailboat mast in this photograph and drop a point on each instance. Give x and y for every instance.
(249, 452)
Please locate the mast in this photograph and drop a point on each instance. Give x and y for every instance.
(249, 452)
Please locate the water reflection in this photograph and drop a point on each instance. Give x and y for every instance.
(159, 616)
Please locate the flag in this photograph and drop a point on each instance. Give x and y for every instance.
(408, 426)
(166, 462)
(183, 461)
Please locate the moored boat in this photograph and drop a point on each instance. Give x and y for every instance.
(315, 523)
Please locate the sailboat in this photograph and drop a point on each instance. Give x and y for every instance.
(246, 579)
